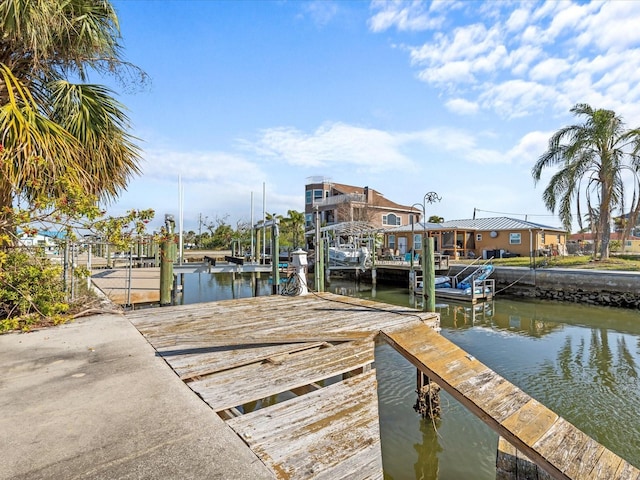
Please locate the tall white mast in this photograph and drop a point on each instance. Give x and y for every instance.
(180, 219)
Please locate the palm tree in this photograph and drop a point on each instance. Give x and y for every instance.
(54, 132)
(295, 222)
(592, 158)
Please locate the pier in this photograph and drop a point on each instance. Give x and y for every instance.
(306, 361)
(294, 377)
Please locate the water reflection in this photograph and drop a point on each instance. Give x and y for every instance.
(208, 287)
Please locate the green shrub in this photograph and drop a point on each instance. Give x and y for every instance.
(31, 290)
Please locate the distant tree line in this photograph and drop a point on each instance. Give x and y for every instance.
(219, 234)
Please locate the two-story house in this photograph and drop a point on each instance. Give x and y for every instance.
(334, 203)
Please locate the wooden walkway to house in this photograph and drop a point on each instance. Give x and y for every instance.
(293, 377)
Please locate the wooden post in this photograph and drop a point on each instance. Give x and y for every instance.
(428, 401)
(156, 254)
(258, 245)
(166, 272)
(275, 256)
(167, 251)
(423, 266)
(320, 266)
(374, 273)
(317, 274)
(429, 277)
(140, 254)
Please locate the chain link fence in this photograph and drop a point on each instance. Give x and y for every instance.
(90, 263)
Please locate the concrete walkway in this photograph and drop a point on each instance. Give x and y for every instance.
(91, 400)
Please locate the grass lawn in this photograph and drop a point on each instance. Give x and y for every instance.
(626, 263)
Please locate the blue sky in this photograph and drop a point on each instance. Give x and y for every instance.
(456, 97)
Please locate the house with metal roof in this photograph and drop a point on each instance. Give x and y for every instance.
(495, 237)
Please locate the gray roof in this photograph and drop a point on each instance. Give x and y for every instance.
(493, 223)
(498, 223)
(348, 228)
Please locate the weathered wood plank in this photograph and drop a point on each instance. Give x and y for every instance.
(277, 309)
(253, 382)
(531, 421)
(499, 398)
(280, 320)
(331, 433)
(205, 361)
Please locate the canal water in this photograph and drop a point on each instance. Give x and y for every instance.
(581, 361)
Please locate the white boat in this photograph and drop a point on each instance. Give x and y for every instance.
(439, 282)
(346, 255)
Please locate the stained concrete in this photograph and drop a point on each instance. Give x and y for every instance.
(91, 400)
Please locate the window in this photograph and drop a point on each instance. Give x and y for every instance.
(478, 237)
(391, 219)
(308, 219)
(542, 238)
(308, 197)
(317, 195)
(417, 241)
(515, 238)
(392, 242)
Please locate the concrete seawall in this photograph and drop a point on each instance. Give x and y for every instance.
(597, 287)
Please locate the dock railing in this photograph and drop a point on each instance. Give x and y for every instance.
(483, 290)
(454, 279)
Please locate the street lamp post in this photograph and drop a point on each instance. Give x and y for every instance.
(412, 274)
(430, 197)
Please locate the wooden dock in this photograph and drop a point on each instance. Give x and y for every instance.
(306, 361)
(294, 378)
(480, 293)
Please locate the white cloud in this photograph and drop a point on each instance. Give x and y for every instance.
(461, 106)
(321, 12)
(613, 28)
(520, 59)
(197, 166)
(518, 19)
(517, 98)
(404, 16)
(529, 148)
(457, 143)
(466, 43)
(568, 18)
(549, 69)
(452, 72)
(333, 144)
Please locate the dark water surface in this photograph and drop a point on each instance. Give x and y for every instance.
(581, 361)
